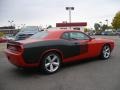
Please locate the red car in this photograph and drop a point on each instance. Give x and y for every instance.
(49, 49)
(3, 40)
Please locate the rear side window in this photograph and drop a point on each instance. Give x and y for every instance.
(39, 35)
(65, 36)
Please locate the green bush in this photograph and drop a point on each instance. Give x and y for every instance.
(1, 34)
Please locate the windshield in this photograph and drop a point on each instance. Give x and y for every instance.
(29, 29)
(118, 30)
(39, 35)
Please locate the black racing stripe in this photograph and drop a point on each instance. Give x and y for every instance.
(33, 51)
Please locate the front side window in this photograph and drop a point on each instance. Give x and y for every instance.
(78, 35)
(75, 36)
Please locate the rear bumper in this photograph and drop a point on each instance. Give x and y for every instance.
(17, 60)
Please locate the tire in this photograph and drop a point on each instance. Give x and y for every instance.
(50, 63)
(106, 52)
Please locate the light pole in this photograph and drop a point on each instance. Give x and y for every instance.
(18, 27)
(22, 25)
(106, 22)
(11, 22)
(69, 9)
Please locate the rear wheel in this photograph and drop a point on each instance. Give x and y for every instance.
(106, 52)
(51, 63)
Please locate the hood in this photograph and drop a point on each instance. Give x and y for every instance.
(104, 40)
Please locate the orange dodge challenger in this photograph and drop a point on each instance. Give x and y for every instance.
(50, 49)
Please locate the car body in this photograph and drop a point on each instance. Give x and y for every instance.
(3, 40)
(10, 37)
(26, 32)
(60, 46)
(118, 32)
(108, 33)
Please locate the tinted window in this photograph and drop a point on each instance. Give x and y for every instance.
(30, 29)
(65, 36)
(39, 35)
(75, 36)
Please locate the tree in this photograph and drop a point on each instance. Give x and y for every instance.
(1, 34)
(116, 21)
(97, 26)
(85, 30)
(103, 27)
(110, 27)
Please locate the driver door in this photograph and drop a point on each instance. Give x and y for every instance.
(78, 39)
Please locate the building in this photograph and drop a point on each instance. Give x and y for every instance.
(9, 31)
(73, 26)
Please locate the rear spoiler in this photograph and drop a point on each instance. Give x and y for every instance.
(13, 42)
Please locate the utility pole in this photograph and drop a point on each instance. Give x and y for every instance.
(11, 22)
(69, 9)
(107, 23)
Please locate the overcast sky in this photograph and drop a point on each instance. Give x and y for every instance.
(50, 12)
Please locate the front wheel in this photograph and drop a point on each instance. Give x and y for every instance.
(106, 52)
(51, 63)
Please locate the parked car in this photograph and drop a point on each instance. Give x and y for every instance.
(118, 32)
(3, 40)
(50, 49)
(108, 33)
(26, 32)
(98, 32)
(90, 33)
(10, 37)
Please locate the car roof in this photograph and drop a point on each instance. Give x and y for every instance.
(61, 31)
(56, 34)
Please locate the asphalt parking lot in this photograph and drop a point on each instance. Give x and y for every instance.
(93, 74)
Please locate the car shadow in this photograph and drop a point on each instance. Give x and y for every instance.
(28, 72)
(80, 62)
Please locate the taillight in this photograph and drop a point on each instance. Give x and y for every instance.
(14, 48)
